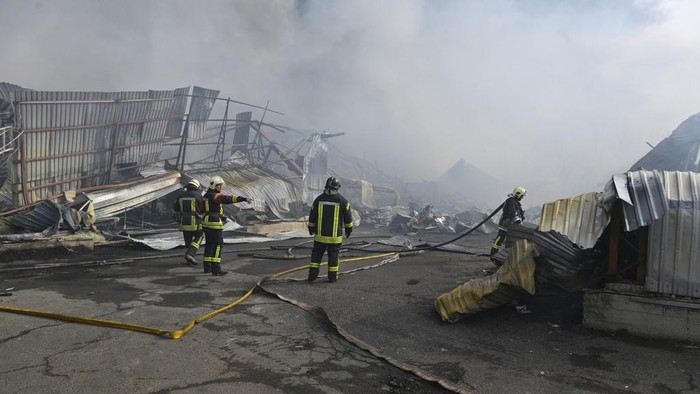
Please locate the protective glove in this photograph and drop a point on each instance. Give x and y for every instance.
(311, 231)
(348, 231)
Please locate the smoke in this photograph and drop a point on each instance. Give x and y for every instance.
(554, 96)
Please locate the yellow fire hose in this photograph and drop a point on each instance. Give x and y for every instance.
(172, 334)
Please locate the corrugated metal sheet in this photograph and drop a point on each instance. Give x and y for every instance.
(582, 218)
(6, 110)
(646, 190)
(47, 217)
(261, 185)
(563, 264)
(202, 102)
(512, 280)
(315, 168)
(560, 262)
(673, 258)
(177, 112)
(112, 202)
(74, 140)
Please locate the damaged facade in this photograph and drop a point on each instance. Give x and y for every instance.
(118, 155)
(638, 239)
(89, 160)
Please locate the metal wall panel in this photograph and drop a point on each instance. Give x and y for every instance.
(73, 140)
(648, 201)
(202, 102)
(582, 218)
(673, 259)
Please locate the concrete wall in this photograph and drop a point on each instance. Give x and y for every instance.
(629, 308)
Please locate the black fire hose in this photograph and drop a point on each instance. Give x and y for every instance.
(431, 247)
(468, 231)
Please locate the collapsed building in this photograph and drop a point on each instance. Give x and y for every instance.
(96, 161)
(114, 161)
(634, 248)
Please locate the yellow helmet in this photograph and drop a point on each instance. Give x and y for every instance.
(215, 180)
(519, 192)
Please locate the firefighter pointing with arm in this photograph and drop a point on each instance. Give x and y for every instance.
(330, 215)
(213, 223)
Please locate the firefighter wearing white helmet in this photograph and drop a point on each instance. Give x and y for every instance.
(512, 213)
(213, 223)
(188, 207)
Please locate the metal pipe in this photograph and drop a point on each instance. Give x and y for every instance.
(233, 101)
(97, 126)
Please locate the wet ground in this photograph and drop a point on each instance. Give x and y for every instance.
(375, 330)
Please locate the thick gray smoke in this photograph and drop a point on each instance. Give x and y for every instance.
(555, 96)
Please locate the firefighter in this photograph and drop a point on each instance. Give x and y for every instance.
(188, 207)
(213, 223)
(512, 213)
(330, 216)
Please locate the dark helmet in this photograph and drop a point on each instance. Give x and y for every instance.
(193, 185)
(332, 183)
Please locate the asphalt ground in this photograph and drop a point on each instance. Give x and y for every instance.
(375, 330)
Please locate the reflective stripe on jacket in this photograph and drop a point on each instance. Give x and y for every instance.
(188, 204)
(329, 216)
(214, 208)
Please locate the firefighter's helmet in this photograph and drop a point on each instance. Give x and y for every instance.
(332, 183)
(216, 180)
(193, 184)
(519, 192)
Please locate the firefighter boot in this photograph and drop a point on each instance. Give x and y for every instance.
(216, 270)
(190, 259)
(313, 274)
(332, 276)
(207, 267)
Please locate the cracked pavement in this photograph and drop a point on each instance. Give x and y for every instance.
(266, 345)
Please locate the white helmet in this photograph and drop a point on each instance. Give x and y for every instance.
(519, 192)
(215, 180)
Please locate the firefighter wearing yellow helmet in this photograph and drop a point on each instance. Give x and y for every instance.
(188, 207)
(512, 213)
(213, 223)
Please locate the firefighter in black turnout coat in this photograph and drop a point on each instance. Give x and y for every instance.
(213, 223)
(188, 207)
(330, 216)
(512, 213)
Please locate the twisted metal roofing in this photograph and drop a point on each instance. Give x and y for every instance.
(263, 186)
(581, 219)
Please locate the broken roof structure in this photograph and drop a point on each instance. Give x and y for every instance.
(643, 227)
(680, 151)
(122, 150)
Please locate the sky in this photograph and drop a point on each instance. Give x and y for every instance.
(555, 96)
